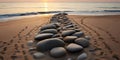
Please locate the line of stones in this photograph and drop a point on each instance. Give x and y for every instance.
(59, 38)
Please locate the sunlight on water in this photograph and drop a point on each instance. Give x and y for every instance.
(6, 8)
(9, 10)
(46, 6)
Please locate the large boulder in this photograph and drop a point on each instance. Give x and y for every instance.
(82, 56)
(48, 44)
(68, 32)
(78, 34)
(43, 36)
(58, 52)
(54, 31)
(74, 48)
(70, 39)
(82, 41)
(48, 26)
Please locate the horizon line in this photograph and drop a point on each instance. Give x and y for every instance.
(59, 2)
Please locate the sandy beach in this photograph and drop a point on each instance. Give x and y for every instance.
(103, 30)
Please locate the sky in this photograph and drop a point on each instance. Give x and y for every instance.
(59, 0)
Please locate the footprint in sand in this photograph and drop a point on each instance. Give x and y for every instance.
(1, 57)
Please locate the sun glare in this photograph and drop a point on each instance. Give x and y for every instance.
(45, 6)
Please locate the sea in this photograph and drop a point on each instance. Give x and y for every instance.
(9, 11)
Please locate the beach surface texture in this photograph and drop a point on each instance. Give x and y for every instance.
(61, 37)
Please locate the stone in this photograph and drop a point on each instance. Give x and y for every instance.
(82, 41)
(38, 55)
(43, 36)
(77, 30)
(32, 49)
(69, 26)
(67, 32)
(54, 31)
(70, 39)
(48, 44)
(78, 34)
(57, 24)
(74, 48)
(30, 43)
(87, 37)
(59, 29)
(48, 26)
(82, 56)
(70, 59)
(58, 52)
(56, 35)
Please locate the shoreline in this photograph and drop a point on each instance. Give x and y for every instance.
(23, 17)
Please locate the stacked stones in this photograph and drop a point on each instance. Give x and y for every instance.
(59, 38)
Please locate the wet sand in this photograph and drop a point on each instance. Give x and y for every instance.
(104, 32)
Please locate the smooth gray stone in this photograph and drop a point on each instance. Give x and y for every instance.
(56, 35)
(69, 59)
(77, 30)
(69, 26)
(30, 43)
(32, 49)
(58, 52)
(48, 44)
(82, 56)
(78, 34)
(38, 55)
(59, 29)
(70, 39)
(72, 28)
(48, 26)
(87, 37)
(43, 36)
(68, 32)
(57, 24)
(82, 41)
(74, 48)
(54, 31)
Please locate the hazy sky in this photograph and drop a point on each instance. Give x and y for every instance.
(60, 0)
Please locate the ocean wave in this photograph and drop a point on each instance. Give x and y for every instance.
(110, 7)
(101, 12)
(30, 13)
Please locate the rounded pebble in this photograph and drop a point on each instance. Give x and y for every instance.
(74, 48)
(58, 52)
(38, 55)
(54, 31)
(68, 32)
(48, 26)
(82, 41)
(78, 34)
(87, 37)
(48, 44)
(30, 43)
(70, 39)
(43, 36)
(82, 56)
